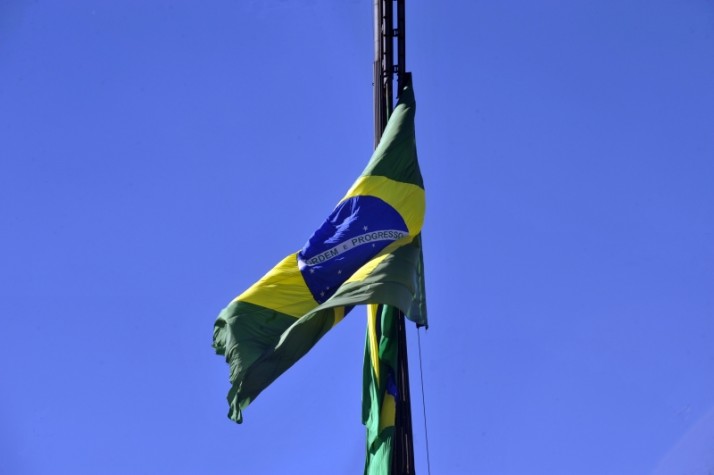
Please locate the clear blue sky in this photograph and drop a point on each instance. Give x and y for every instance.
(157, 157)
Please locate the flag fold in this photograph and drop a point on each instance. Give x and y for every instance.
(379, 393)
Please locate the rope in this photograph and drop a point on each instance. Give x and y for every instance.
(423, 404)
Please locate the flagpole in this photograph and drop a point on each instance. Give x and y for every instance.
(385, 35)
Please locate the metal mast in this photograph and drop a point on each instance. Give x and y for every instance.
(388, 30)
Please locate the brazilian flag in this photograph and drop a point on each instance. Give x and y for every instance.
(379, 391)
(367, 251)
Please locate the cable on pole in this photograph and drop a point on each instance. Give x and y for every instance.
(423, 404)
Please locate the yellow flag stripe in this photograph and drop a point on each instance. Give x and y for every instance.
(366, 269)
(388, 414)
(282, 289)
(372, 334)
(339, 314)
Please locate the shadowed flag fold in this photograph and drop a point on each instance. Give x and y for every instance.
(379, 390)
(367, 251)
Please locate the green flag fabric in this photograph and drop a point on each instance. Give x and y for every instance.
(379, 391)
(368, 250)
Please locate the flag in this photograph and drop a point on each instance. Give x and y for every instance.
(379, 391)
(367, 251)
